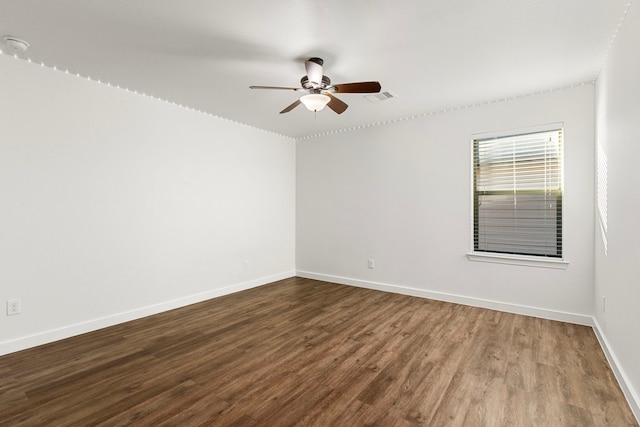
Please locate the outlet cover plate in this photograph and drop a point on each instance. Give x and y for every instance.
(14, 306)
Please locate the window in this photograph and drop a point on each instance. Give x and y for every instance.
(517, 194)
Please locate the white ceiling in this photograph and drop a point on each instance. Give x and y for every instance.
(433, 54)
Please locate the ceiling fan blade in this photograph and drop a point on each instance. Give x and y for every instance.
(274, 87)
(335, 104)
(314, 70)
(360, 87)
(291, 107)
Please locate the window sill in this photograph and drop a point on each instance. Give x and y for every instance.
(527, 261)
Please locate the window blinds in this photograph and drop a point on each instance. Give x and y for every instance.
(518, 194)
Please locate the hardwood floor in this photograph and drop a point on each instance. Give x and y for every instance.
(310, 353)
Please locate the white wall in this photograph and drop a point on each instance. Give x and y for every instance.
(618, 272)
(116, 205)
(401, 194)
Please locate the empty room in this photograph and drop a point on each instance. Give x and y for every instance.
(319, 213)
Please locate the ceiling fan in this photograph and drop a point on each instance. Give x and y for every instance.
(320, 90)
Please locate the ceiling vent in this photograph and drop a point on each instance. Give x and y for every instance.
(382, 96)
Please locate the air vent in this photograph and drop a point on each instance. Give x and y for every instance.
(382, 96)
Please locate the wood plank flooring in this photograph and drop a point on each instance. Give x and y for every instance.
(309, 353)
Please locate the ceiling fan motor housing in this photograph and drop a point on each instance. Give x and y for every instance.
(304, 81)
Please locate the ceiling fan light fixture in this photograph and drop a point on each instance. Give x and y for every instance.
(315, 101)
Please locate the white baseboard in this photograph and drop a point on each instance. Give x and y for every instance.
(45, 337)
(52, 335)
(579, 319)
(625, 385)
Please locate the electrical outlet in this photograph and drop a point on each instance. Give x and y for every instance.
(603, 302)
(371, 263)
(13, 307)
(245, 265)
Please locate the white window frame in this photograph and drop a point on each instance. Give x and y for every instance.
(513, 259)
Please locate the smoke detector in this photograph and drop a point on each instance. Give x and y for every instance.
(16, 44)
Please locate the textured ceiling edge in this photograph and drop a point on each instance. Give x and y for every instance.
(115, 86)
(444, 110)
(464, 107)
(614, 37)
